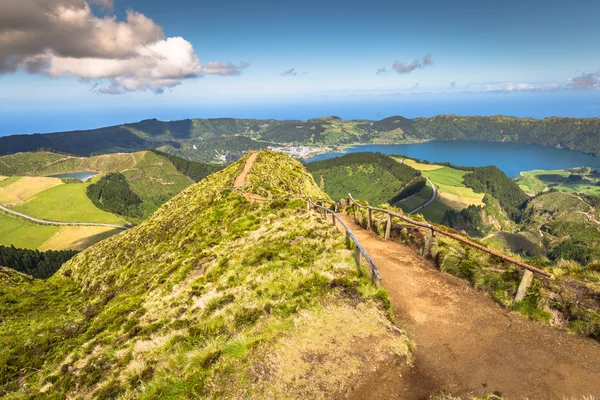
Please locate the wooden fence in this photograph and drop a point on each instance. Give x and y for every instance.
(359, 250)
(432, 230)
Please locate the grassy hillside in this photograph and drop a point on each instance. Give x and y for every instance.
(210, 135)
(493, 181)
(152, 177)
(212, 296)
(574, 180)
(371, 176)
(568, 223)
(569, 300)
(67, 203)
(453, 194)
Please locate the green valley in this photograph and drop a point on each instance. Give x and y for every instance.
(152, 177)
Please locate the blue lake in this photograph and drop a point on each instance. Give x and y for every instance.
(511, 158)
(82, 176)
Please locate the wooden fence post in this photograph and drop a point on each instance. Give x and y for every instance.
(369, 221)
(347, 236)
(524, 285)
(357, 257)
(333, 219)
(388, 227)
(428, 243)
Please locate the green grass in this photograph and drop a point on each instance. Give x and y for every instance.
(23, 234)
(449, 180)
(191, 302)
(417, 199)
(435, 211)
(452, 194)
(67, 203)
(533, 182)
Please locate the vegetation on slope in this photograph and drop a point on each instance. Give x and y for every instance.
(491, 180)
(569, 300)
(572, 180)
(112, 193)
(569, 226)
(371, 176)
(213, 296)
(38, 264)
(193, 170)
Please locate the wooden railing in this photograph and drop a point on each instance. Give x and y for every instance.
(359, 250)
(433, 229)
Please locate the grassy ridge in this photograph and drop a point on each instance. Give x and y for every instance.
(233, 136)
(212, 296)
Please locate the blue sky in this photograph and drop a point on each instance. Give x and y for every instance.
(332, 49)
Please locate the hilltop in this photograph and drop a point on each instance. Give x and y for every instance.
(211, 296)
(227, 138)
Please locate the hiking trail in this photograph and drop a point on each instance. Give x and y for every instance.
(240, 180)
(467, 344)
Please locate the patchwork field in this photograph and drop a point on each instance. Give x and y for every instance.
(452, 194)
(66, 203)
(24, 234)
(17, 190)
(28, 235)
(77, 237)
(580, 180)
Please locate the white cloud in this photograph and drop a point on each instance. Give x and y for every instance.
(64, 37)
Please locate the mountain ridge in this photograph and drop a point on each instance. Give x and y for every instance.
(186, 136)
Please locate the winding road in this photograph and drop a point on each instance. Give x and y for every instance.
(57, 223)
(428, 201)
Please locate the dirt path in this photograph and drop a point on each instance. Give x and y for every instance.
(466, 343)
(240, 181)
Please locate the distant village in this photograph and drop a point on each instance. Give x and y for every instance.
(302, 152)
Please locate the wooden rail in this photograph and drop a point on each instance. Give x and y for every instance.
(433, 229)
(375, 275)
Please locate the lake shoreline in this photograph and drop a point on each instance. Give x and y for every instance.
(511, 157)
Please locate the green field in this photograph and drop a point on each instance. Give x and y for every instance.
(20, 233)
(570, 181)
(67, 203)
(436, 210)
(410, 203)
(452, 194)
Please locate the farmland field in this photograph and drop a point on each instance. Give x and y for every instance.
(15, 190)
(77, 237)
(23, 234)
(570, 181)
(67, 203)
(452, 194)
(410, 203)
